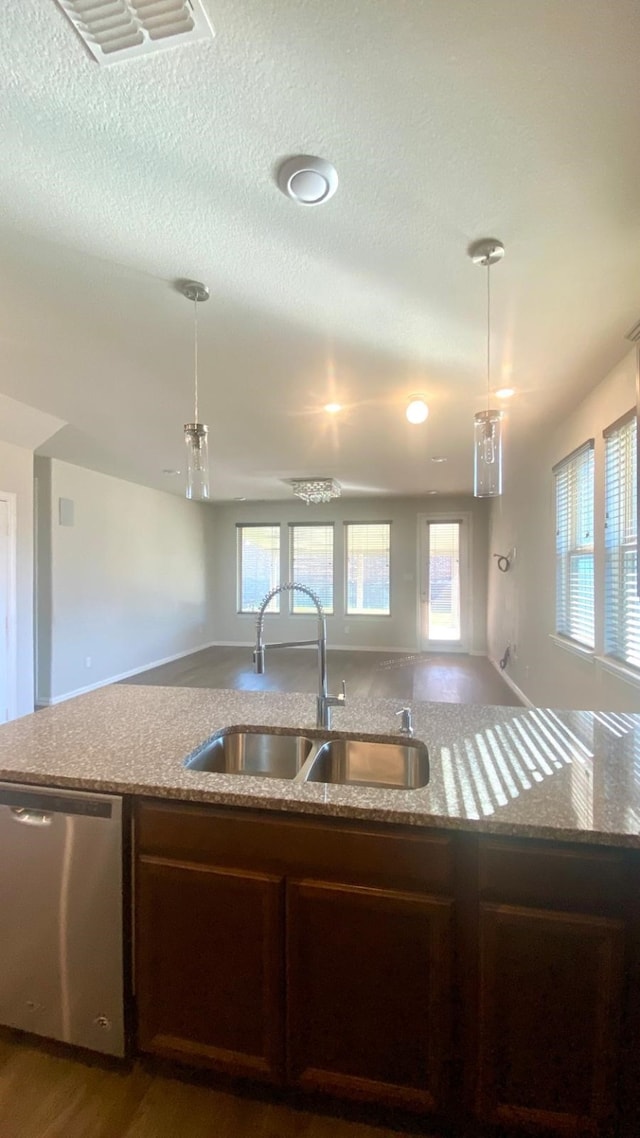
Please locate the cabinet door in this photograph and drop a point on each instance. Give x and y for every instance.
(369, 1000)
(209, 966)
(550, 1005)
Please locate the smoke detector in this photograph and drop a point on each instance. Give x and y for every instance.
(120, 29)
(308, 180)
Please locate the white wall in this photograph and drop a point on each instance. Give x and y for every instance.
(126, 585)
(398, 631)
(521, 606)
(16, 477)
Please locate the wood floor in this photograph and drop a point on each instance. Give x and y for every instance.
(453, 678)
(46, 1095)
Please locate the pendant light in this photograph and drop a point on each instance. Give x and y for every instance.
(196, 433)
(487, 466)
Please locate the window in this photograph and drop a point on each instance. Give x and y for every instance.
(312, 565)
(258, 566)
(621, 603)
(574, 546)
(368, 555)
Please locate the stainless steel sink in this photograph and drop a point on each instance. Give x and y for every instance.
(265, 754)
(361, 762)
(401, 765)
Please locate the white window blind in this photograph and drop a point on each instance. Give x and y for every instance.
(312, 565)
(574, 546)
(368, 565)
(621, 603)
(258, 566)
(444, 581)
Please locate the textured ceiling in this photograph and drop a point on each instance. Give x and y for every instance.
(446, 121)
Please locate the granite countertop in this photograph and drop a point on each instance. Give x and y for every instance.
(573, 775)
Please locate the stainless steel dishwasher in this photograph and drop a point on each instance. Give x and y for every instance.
(61, 906)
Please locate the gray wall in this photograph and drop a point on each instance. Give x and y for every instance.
(521, 606)
(398, 631)
(125, 585)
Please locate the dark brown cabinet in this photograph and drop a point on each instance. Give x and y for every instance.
(484, 981)
(369, 995)
(210, 967)
(550, 1004)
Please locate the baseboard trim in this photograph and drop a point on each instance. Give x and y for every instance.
(511, 684)
(331, 647)
(40, 702)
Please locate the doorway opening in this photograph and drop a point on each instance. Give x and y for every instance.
(8, 658)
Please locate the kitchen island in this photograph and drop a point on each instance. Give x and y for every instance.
(469, 950)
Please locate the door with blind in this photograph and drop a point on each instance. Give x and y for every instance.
(443, 585)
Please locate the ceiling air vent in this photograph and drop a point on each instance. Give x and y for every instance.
(120, 29)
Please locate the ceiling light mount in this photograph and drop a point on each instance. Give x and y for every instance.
(315, 491)
(196, 433)
(417, 410)
(307, 180)
(487, 251)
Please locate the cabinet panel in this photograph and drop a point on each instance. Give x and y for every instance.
(542, 874)
(368, 854)
(209, 966)
(550, 1006)
(369, 992)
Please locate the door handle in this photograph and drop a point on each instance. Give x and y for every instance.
(31, 817)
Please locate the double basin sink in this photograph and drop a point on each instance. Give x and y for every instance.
(343, 761)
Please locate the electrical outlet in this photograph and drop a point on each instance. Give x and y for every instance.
(87, 661)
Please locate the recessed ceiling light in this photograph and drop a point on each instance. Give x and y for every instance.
(438, 458)
(505, 392)
(417, 410)
(332, 408)
(308, 180)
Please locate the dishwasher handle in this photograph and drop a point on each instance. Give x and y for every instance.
(30, 817)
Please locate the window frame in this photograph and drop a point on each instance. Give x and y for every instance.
(294, 595)
(615, 553)
(359, 614)
(274, 607)
(567, 601)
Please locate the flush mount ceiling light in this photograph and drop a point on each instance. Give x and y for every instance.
(332, 408)
(417, 409)
(308, 180)
(314, 491)
(119, 29)
(196, 433)
(487, 467)
(505, 392)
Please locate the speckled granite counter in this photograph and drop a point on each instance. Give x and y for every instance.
(572, 775)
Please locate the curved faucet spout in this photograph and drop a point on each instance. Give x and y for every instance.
(325, 701)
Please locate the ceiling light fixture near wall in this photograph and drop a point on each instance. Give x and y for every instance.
(315, 491)
(119, 29)
(487, 468)
(332, 408)
(505, 392)
(196, 433)
(417, 410)
(308, 180)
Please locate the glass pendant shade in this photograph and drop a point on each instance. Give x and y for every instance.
(487, 466)
(197, 442)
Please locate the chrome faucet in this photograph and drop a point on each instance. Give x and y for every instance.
(324, 701)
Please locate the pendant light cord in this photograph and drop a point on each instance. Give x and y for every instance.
(488, 335)
(195, 357)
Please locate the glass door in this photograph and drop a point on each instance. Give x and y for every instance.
(441, 586)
